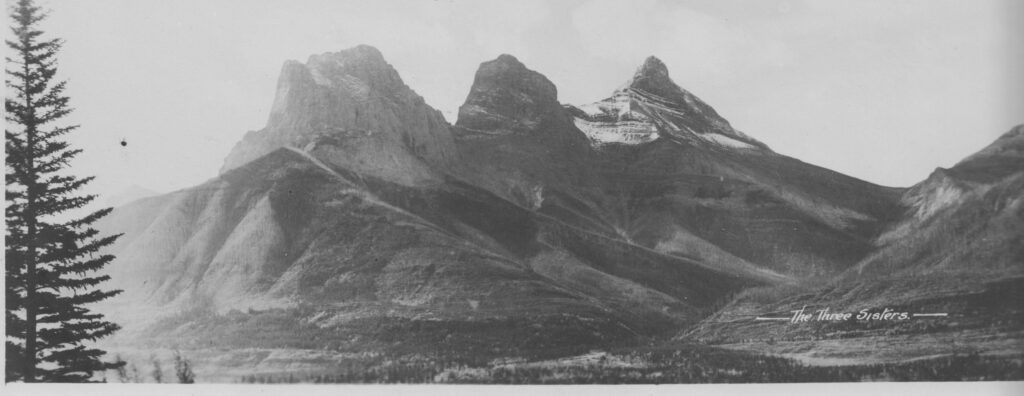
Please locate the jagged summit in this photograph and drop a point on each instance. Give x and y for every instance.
(650, 106)
(358, 71)
(507, 97)
(348, 68)
(653, 73)
(359, 56)
(514, 137)
(509, 60)
(338, 92)
(360, 51)
(653, 65)
(355, 74)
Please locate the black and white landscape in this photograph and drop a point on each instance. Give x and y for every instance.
(359, 236)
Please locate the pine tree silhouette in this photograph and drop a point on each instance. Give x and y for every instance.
(50, 264)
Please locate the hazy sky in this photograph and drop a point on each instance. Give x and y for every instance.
(882, 90)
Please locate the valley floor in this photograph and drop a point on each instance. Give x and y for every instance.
(675, 363)
(891, 349)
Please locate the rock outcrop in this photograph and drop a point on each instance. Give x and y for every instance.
(515, 140)
(345, 92)
(506, 97)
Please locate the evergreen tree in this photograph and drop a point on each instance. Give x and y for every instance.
(158, 370)
(183, 369)
(50, 264)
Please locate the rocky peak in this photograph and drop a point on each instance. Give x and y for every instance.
(507, 97)
(361, 70)
(650, 106)
(361, 53)
(357, 74)
(352, 89)
(653, 74)
(652, 78)
(505, 61)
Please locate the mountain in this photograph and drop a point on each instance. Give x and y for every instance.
(957, 250)
(351, 95)
(354, 232)
(961, 219)
(651, 106)
(359, 222)
(513, 137)
(655, 166)
(131, 193)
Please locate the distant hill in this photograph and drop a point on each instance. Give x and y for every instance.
(129, 194)
(958, 250)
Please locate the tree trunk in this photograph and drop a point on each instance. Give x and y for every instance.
(29, 370)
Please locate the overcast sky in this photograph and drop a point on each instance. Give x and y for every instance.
(881, 90)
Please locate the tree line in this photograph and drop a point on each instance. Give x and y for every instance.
(129, 372)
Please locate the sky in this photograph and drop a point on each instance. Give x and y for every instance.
(885, 91)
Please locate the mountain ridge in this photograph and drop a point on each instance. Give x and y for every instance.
(633, 219)
(957, 251)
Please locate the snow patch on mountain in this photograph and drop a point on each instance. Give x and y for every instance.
(634, 116)
(726, 141)
(592, 109)
(626, 132)
(618, 106)
(614, 121)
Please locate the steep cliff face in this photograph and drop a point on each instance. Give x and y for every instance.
(514, 139)
(506, 97)
(345, 91)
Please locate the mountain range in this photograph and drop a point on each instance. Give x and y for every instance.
(359, 220)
